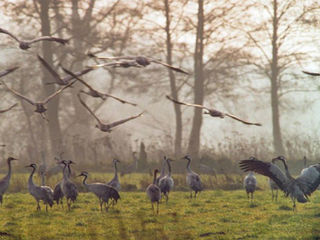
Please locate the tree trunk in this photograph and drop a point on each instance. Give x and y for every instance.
(174, 92)
(277, 139)
(52, 112)
(194, 141)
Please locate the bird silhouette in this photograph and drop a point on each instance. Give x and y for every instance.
(141, 61)
(94, 93)
(25, 44)
(213, 112)
(40, 108)
(58, 80)
(106, 127)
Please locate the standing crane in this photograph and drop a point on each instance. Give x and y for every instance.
(115, 183)
(299, 188)
(69, 189)
(4, 182)
(193, 179)
(57, 192)
(43, 193)
(166, 183)
(250, 184)
(154, 192)
(103, 191)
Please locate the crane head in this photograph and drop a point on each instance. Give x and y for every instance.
(116, 160)
(83, 173)
(32, 165)
(187, 157)
(11, 159)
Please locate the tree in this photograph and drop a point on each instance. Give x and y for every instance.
(273, 37)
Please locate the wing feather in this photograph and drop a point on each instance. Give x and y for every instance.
(267, 169)
(240, 120)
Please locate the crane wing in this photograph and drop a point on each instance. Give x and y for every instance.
(267, 169)
(6, 72)
(169, 66)
(187, 104)
(50, 69)
(48, 38)
(10, 34)
(57, 92)
(114, 124)
(79, 79)
(9, 108)
(89, 110)
(311, 73)
(18, 94)
(78, 74)
(309, 179)
(243, 121)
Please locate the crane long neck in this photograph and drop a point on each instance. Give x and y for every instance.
(188, 165)
(115, 169)
(31, 176)
(85, 180)
(65, 173)
(169, 168)
(155, 178)
(286, 169)
(9, 169)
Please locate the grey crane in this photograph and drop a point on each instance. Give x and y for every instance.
(94, 93)
(59, 80)
(299, 188)
(193, 179)
(57, 192)
(40, 193)
(4, 182)
(250, 184)
(68, 188)
(115, 183)
(154, 192)
(213, 112)
(103, 191)
(143, 62)
(166, 183)
(162, 171)
(40, 105)
(103, 126)
(24, 45)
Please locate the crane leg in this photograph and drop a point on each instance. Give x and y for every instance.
(46, 207)
(195, 195)
(38, 206)
(191, 194)
(101, 203)
(167, 197)
(1, 200)
(272, 194)
(152, 207)
(157, 207)
(276, 195)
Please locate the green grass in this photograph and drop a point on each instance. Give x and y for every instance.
(214, 215)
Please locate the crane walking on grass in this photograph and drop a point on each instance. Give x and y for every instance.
(299, 188)
(103, 191)
(166, 183)
(154, 192)
(4, 182)
(250, 184)
(69, 189)
(193, 179)
(115, 183)
(43, 193)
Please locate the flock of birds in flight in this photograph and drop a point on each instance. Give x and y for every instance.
(297, 188)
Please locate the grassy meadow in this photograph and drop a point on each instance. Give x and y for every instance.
(216, 214)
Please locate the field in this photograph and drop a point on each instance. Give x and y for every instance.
(216, 214)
